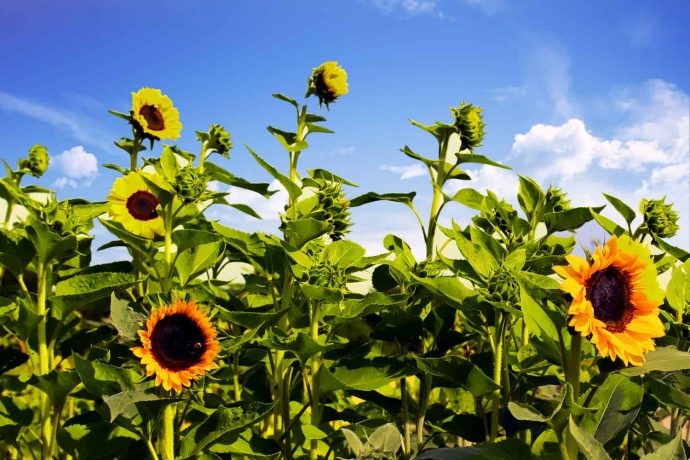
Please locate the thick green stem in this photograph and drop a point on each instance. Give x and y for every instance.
(315, 390)
(167, 434)
(497, 374)
(424, 390)
(405, 416)
(44, 358)
(573, 378)
(436, 203)
(134, 154)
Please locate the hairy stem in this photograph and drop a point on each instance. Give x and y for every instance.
(573, 378)
(167, 435)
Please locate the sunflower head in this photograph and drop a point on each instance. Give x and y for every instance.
(470, 125)
(178, 345)
(328, 82)
(36, 163)
(135, 206)
(217, 139)
(556, 200)
(659, 218)
(616, 299)
(153, 113)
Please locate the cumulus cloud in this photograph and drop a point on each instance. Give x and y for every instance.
(650, 149)
(79, 167)
(406, 172)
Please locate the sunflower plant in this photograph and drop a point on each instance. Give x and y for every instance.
(505, 340)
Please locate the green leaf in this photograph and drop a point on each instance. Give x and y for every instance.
(245, 209)
(455, 371)
(329, 176)
(195, 261)
(57, 384)
(11, 358)
(83, 289)
(366, 374)
(371, 197)
(478, 159)
(299, 344)
(448, 287)
(667, 394)
(408, 151)
(386, 440)
(169, 164)
(189, 238)
(674, 450)
(353, 442)
(293, 189)
(530, 196)
(221, 175)
(678, 288)
(678, 253)
(49, 245)
(570, 219)
(344, 253)
(607, 224)
(589, 446)
(14, 415)
(289, 100)
(102, 379)
(479, 257)
(251, 319)
(665, 359)
(311, 432)
(222, 421)
(302, 231)
(540, 324)
(15, 254)
(618, 401)
(124, 402)
(321, 293)
(125, 319)
(142, 245)
(624, 210)
(468, 197)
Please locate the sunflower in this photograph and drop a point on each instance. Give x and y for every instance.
(616, 299)
(133, 204)
(155, 114)
(178, 345)
(328, 81)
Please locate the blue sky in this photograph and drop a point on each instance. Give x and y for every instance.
(590, 96)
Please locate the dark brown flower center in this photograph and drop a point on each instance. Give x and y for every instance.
(153, 116)
(177, 342)
(609, 292)
(142, 205)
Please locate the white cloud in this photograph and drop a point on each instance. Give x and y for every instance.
(406, 172)
(548, 67)
(80, 129)
(408, 6)
(343, 151)
(80, 168)
(506, 93)
(651, 150)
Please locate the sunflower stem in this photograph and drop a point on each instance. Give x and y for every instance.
(43, 358)
(168, 433)
(573, 378)
(315, 389)
(405, 415)
(498, 373)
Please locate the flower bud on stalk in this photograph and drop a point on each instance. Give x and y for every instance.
(468, 120)
(37, 162)
(556, 200)
(190, 184)
(217, 138)
(660, 218)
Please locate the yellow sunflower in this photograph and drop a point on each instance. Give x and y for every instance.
(178, 345)
(155, 113)
(328, 81)
(134, 205)
(616, 299)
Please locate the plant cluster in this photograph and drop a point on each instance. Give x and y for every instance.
(210, 342)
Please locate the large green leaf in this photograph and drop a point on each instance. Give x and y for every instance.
(300, 344)
(221, 175)
(530, 196)
(56, 384)
(371, 197)
(540, 324)
(448, 287)
(15, 254)
(364, 374)
(195, 261)
(678, 289)
(104, 379)
(668, 394)
(624, 210)
(588, 445)
(125, 402)
(607, 224)
(222, 421)
(293, 189)
(468, 197)
(82, 289)
(569, 220)
(189, 238)
(678, 253)
(125, 319)
(674, 450)
(455, 371)
(479, 257)
(665, 359)
(14, 415)
(618, 401)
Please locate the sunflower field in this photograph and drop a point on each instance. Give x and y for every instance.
(507, 341)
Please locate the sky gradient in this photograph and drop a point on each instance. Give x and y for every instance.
(589, 96)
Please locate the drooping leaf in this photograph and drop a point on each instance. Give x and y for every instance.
(125, 319)
(458, 372)
(124, 402)
(569, 220)
(665, 359)
(82, 289)
(673, 450)
(371, 197)
(588, 445)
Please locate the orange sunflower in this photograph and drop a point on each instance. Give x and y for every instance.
(616, 299)
(178, 345)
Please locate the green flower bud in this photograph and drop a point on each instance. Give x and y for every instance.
(37, 162)
(496, 219)
(217, 138)
(328, 82)
(468, 121)
(190, 184)
(504, 288)
(660, 218)
(556, 200)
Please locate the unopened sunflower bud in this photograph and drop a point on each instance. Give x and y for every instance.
(328, 82)
(217, 138)
(556, 200)
(504, 288)
(468, 120)
(190, 184)
(660, 218)
(37, 162)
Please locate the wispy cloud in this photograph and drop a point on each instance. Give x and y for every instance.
(407, 6)
(80, 129)
(550, 63)
(505, 93)
(489, 7)
(406, 172)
